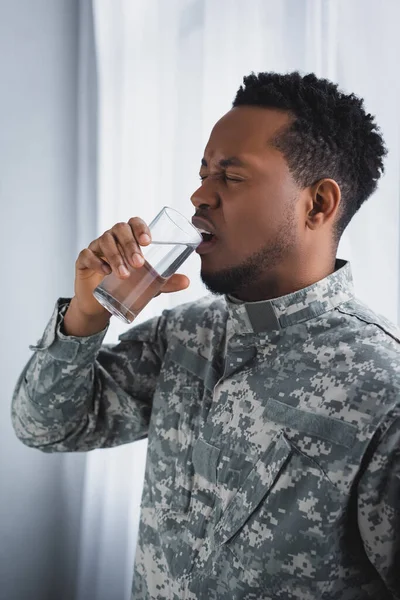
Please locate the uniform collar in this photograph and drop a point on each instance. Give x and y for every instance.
(298, 307)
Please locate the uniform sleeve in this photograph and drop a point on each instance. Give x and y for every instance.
(379, 509)
(76, 394)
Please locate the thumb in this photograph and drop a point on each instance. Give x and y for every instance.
(175, 283)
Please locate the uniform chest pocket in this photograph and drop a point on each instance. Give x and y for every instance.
(175, 423)
(282, 521)
(172, 432)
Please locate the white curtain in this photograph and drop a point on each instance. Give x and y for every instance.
(167, 70)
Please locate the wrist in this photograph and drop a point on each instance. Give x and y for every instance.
(79, 324)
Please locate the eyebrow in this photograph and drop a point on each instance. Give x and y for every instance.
(232, 161)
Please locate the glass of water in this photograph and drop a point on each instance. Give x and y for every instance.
(174, 239)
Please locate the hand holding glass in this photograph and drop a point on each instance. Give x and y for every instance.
(174, 239)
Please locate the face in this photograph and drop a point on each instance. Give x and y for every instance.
(247, 199)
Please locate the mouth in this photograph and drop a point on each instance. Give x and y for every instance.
(207, 232)
(208, 243)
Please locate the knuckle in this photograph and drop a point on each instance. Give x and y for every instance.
(92, 244)
(120, 226)
(87, 258)
(115, 258)
(84, 254)
(137, 223)
(131, 245)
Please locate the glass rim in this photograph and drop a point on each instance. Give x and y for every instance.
(168, 209)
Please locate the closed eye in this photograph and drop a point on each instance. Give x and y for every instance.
(225, 177)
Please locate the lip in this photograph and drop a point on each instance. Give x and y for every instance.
(201, 223)
(206, 247)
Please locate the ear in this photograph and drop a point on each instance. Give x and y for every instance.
(324, 202)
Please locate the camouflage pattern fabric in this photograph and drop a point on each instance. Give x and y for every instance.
(273, 466)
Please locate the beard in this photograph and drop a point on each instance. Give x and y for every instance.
(236, 279)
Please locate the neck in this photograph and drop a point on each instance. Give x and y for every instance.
(282, 281)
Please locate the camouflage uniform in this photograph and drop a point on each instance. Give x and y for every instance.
(273, 466)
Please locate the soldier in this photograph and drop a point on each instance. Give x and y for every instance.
(271, 406)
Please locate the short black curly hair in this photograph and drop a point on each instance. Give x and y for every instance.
(331, 135)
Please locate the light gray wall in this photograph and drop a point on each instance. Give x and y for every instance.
(39, 523)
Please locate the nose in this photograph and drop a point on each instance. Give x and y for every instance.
(205, 197)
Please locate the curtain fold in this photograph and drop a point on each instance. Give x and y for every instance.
(166, 72)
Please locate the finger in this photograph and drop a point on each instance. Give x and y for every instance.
(140, 230)
(175, 283)
(89, 260)
(123, 235)
(106, 245)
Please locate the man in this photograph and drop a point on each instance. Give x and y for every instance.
(271, 408)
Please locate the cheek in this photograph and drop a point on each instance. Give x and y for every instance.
(252, 227)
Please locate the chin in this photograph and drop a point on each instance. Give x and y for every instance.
(211, 269)
(223, 281)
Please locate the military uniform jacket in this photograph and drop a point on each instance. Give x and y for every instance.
(273, 464)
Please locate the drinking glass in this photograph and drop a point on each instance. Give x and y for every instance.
(174, 239)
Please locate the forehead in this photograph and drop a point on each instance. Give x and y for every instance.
(245, 130)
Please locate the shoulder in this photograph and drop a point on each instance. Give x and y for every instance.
(182, 321)
(191, 320)
(368, 344)
(385, 329)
